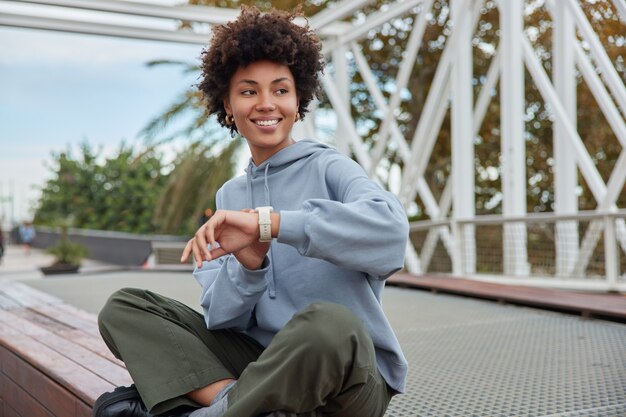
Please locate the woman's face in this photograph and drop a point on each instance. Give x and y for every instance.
(263, 101)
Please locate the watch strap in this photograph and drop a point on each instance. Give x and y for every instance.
(265, 223)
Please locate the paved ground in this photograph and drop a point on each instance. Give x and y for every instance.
(468, 357)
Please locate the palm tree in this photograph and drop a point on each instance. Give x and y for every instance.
(200, 168)
(199, 171)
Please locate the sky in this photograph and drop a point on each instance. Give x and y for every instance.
(58, 90)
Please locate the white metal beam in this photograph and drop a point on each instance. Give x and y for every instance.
(597, 88)
(462, 135)
(587, 167)
(486, 92)
(203, 14)
(611, 254)
(336, 100)
(412, 260)
(426, 132)
(565, 171)
(379, 101)
(428, 248)
(620, 6)
(432, 114)
(605, 196)
(404, 74)
(199, 14)
(342, 83)
(377, 19)
(608, 71)
(513, 145)
(335, 12)
(422, 187)
(103, 29)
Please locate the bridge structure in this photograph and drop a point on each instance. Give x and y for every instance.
(564, 248)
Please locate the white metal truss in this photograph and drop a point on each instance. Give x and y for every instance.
(196, 14)
(451, 91)
(565, 170)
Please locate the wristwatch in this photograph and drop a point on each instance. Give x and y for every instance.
(265, 223)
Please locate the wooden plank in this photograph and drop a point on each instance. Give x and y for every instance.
(87, 340)
(83, 410)
(602, 305)
(96, 345)
(53, 353)
(73, 322)
(45, 298)
(80, 381)
(23, 404)
(98, 365)
(56, 398)
(7, 302)
(9, 411)
(53, 307)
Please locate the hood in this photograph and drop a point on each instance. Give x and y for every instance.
(285, 157)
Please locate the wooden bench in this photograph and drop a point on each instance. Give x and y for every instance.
(53, 362)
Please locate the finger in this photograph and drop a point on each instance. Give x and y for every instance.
(200, 242)
(185, 255)
(217, 253)
(197, 254)
(210, 228)
(210, 237)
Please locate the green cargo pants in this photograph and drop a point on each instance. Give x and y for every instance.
(323, 359)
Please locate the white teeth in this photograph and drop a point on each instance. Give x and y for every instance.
(267, 122)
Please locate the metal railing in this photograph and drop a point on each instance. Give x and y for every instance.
(579, 251)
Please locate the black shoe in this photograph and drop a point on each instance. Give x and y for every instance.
(126, 402)
(122, 402)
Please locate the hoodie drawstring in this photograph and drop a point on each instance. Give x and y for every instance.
(249, 185)
(271, 283)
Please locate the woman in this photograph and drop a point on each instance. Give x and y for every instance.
(299, 250)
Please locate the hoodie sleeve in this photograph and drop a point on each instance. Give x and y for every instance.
(362, 227)
(229, 290)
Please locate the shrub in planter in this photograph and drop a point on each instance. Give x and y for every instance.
(68, 255)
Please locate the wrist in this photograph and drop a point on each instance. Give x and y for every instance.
(252, 262)
(275, 224)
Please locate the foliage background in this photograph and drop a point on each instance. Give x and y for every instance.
(134, 191)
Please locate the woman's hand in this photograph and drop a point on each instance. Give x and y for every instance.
(236, 232)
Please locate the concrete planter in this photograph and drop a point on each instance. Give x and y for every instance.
(57, 269)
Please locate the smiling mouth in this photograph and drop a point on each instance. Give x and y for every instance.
(266, 122)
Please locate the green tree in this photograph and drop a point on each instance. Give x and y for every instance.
(119, 193)
(71, 184)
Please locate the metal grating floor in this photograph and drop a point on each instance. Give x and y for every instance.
(474, 358)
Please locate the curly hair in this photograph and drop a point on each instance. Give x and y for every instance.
(254, 36)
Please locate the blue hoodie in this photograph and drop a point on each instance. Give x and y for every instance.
(340, 237)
